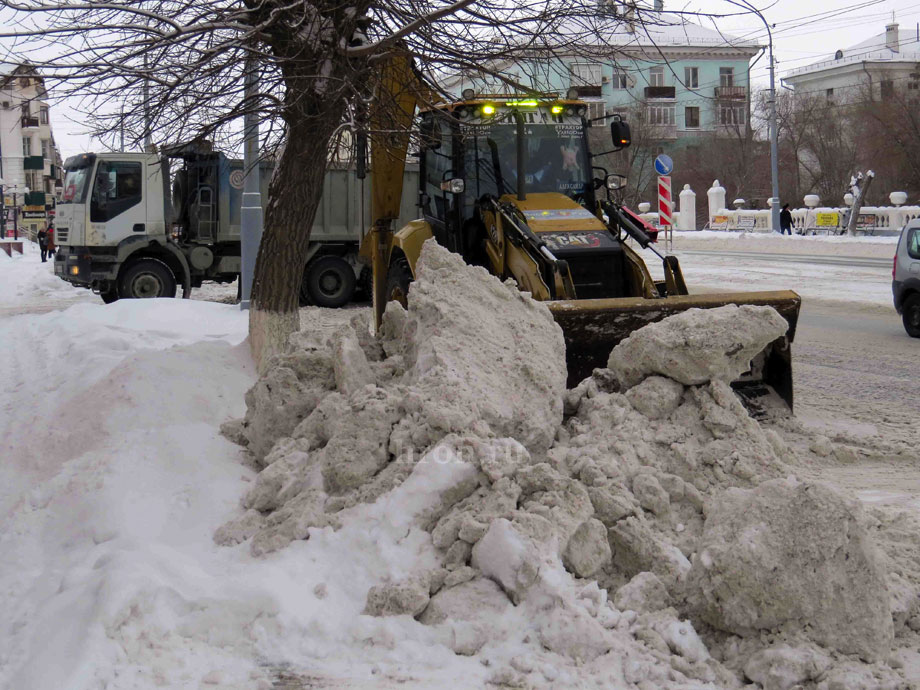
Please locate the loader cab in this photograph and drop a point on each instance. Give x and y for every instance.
(477, 142)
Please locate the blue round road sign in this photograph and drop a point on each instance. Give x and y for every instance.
(664, 165)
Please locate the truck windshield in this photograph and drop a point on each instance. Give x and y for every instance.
(76, 179)
(555, 159)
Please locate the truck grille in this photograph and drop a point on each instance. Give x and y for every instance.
(60, 235)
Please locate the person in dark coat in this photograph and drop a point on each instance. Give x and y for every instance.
(785, 220)
(51, 247)
(43, 244)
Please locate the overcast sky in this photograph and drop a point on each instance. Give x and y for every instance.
(805, 31)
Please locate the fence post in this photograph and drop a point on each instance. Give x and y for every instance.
(687, 219)
(716, 196)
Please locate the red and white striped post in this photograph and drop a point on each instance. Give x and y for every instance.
(665, 206)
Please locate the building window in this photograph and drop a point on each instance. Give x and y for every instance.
(46, 149)
(731, 114)
(692, 118)
(887, 87)
(692, 77)
(661, 115)
(27, 146)
(619, 80)
(830, 95)
(586, 74)
(43, 115)
(596, 110)
(656, 76)
(726, 77)
(34, 180)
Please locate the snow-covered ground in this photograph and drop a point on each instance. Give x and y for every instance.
(114, 478)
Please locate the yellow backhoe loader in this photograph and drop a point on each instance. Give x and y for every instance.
(508, 183)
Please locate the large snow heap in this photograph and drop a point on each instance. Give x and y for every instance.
(640, 529)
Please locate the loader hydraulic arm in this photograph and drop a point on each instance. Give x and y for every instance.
(519, 233)
(621, 218)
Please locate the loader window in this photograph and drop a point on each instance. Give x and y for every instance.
(116, 188)
(438, 161)
(555, 158)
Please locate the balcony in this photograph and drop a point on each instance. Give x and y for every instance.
(585, 91)
(33, 163)
(731, 92)
(29, 122)
(35, 199)
(662, 132)
(660, 93)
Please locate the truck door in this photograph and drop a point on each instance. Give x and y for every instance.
(116, 209)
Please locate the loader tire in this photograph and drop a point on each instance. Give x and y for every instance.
(146, 278)
(910, 315)
(399, 277)
(329, 282)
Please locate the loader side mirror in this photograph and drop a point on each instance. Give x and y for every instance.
(615, 182)
(619, 133)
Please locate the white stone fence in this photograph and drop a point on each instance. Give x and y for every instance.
(812, 219)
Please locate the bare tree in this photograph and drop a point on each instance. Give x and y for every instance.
(173, 71)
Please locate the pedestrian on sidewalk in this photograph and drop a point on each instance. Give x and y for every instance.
(51, 246)
(785, 221)
(43, 244)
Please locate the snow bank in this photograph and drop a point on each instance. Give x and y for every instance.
(435, 466)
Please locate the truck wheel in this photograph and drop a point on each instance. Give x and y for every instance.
(329, 282)
(147, 278)
(109, 295)
(910, 314)
(399, 278)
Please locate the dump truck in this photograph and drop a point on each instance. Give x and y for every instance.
(135, 225)
(510, 184)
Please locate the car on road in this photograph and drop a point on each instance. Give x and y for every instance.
(905, 278)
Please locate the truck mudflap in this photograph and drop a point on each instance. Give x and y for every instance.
(593, 327)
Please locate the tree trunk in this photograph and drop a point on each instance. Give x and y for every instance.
(294, 194)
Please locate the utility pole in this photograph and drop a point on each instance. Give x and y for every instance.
(774, 147)
(251, 211)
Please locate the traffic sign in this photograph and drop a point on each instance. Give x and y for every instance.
(664, 165)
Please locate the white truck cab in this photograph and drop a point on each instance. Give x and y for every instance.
(112, 227)
(905, 274)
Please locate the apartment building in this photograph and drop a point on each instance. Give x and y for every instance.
(681, 79)
(30, 164)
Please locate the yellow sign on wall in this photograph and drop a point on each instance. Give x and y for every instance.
(827, 220)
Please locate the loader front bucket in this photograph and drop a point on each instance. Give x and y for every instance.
(593, 327)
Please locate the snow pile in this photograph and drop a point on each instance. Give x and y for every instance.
(625, 531)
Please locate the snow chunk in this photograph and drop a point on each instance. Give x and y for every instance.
(698, 345)
(406, 597)
(784, 667)
(644, 593)
(587, 550)
(796, 556)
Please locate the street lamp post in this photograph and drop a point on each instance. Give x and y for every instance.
(774, 148)
(2, 209)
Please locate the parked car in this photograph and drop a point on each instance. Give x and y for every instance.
(905, 278)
